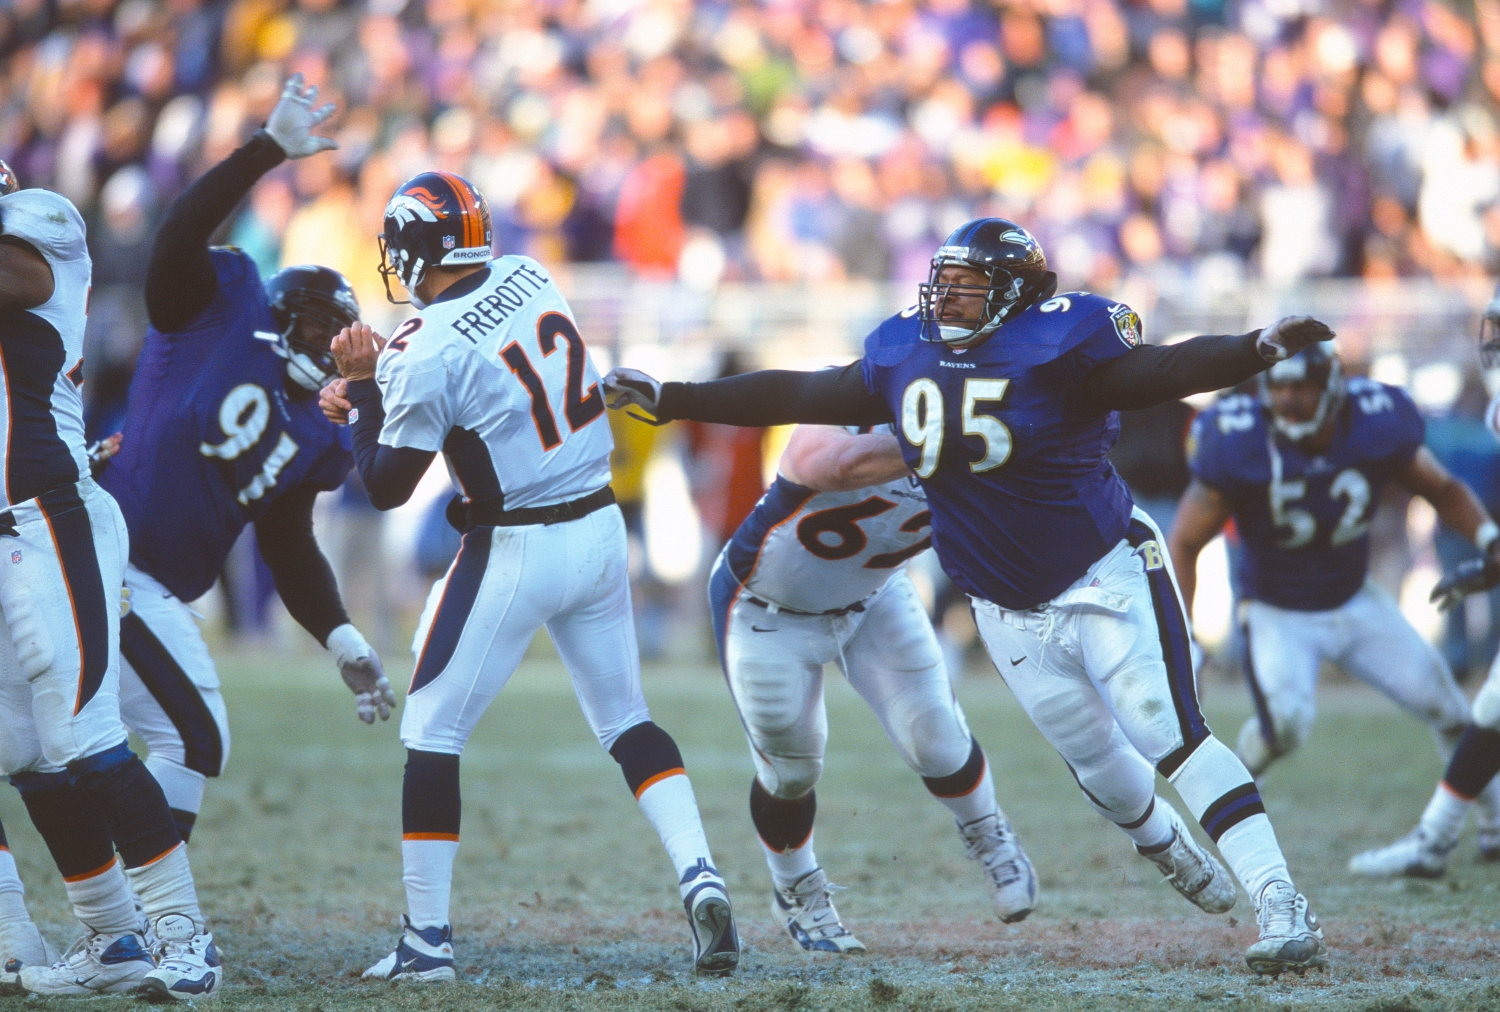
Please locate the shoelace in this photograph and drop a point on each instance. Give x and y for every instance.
(1189, 870)
(818, 907)
(80, 947)
(994, 850)
(1278, 912)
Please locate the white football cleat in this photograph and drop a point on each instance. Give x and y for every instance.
(423, 954)
(1193, 871)
(1290, 936)
(23, 944)
(806, 911)
(94, 965)
(1013, 883)
(1416, 855)
(187, 963)
(716, 943)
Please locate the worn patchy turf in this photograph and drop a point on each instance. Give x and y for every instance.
(564, 899)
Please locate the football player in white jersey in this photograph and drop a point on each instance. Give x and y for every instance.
(817, 575)
(1470, 776)
(61, 739)
(494, 375)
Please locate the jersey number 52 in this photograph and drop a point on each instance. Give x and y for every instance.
(579, 407)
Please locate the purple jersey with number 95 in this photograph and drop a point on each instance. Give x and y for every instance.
(1010, 452)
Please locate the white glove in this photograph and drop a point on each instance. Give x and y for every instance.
(1289, 335)
(291, 122)
(360, 667)
(632, 387)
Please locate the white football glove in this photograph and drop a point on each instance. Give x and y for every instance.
(632, 387)
(291, 122)
(360, 667)
(1289, 335)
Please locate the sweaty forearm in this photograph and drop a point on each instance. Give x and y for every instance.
(180, 280)
(777, 397)
(1154, 374)
(302, 575)
(390, 473)
(1459, 508)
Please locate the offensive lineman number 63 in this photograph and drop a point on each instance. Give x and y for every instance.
(922, 418)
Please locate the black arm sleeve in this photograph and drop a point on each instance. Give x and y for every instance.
(303, 577)
(1153, 374)
(390, 473)
(180, 281)
(777, 397)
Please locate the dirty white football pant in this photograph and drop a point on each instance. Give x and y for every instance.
(1369, 638)
(774, 665)
(169, 692)
(507, 583)
(62, 557)
(1104, 672)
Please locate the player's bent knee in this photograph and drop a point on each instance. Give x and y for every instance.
(962, 781)
(792, 778)
(646, 755)
(1486, 707)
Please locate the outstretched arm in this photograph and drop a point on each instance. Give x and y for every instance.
(302, 575)
(1201, 515)
(1455, 503)
(1153, 374)
(827, 458)
(180, 279)
(768, 397)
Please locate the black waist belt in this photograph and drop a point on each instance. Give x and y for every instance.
(485, 515)
(856, 606)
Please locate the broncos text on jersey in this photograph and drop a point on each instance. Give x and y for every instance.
(495, 376)
(1305, 518)
(212, 435)
(1012, 457)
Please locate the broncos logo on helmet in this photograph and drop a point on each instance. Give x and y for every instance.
(433, 219)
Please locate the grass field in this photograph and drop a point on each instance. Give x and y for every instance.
(564, 899)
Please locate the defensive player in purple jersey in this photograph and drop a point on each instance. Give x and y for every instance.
(1004, 399)
(1470, 776)
(1300, 469)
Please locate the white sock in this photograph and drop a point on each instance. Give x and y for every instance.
(1444, 815)
(672, 810)
(12, 892)
(1157, 829)
(1253, 854)
(102, 900)
(427, 873)
(977, 803)
(788, 867)
(165, 886)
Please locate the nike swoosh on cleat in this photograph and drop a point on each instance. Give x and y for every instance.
(1018, 660)
(756, 628)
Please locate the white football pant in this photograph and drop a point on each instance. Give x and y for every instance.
(774, 665)
(169, 691)
(62, 557)
(1103, 671)
(507, 583)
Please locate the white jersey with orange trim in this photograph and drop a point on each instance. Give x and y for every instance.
(495, 376)
(820, 551)
(41, 351)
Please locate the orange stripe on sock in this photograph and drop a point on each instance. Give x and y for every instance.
(91, 874)
(1447, 787)
(789, 850)
(163, 854)
(452, 837)
(678, 771)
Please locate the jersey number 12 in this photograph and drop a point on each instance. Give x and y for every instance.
(579, 407)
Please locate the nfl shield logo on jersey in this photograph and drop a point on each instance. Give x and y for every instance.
(1127, 325)
(15, 556)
